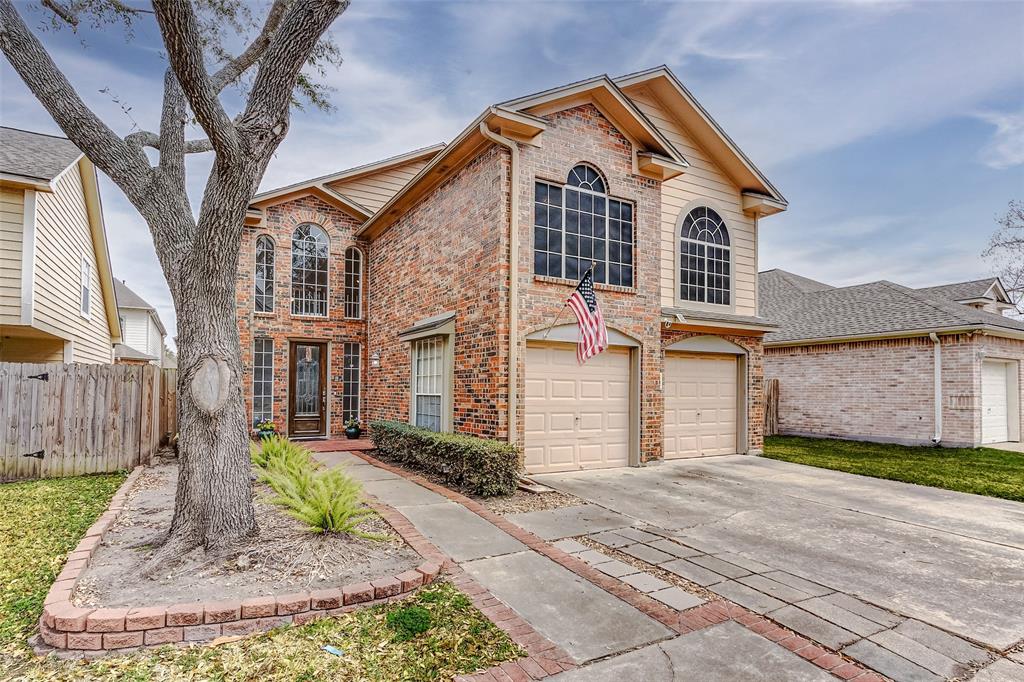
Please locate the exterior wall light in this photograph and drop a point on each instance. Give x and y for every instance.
(375, 359)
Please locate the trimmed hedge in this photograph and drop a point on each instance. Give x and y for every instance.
(477, 465)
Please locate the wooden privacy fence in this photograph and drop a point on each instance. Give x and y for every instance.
(771, 407)
(70, 419)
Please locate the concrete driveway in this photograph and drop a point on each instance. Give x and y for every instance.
(952, 560)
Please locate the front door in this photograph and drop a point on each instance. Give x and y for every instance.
(307, 388)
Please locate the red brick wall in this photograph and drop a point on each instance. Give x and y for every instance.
(281, 325)
(884, 389)
(448, 253)
(581, 135)
(755, 378)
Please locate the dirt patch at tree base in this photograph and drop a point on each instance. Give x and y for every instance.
(286, 556)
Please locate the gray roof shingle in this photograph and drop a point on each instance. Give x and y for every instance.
(961, 291)
(35, 155)
(126, 298)
(861, 310)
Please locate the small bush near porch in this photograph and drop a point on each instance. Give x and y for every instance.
(982, 471)
(479, 466)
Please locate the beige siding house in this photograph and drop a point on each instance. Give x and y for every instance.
(142, 331)
(57, 301)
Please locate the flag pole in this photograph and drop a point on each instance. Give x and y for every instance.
(562, 309)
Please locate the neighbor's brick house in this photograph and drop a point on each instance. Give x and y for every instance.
(461, 256)
(860, 362)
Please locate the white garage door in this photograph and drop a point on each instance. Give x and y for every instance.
(994, 408)
(700, 406)
(576, 417)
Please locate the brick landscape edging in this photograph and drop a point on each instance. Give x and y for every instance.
(682, 622)
(76, 629)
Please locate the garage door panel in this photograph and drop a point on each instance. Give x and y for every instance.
(580, 419)
(700, 406)
(995, 423)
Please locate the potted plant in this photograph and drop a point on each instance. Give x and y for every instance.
(352, 429)
(265, 429)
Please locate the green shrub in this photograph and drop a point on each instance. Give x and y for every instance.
(480, 466)
(409, 621)
(327, 500)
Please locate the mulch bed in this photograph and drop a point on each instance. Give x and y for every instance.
(284, 557)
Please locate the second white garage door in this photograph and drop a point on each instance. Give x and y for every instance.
(700, 405)
(576, 417)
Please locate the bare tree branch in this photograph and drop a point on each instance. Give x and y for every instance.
(146, 138)
(64, 13)
(180, 30)
(126, 164)
(231, 71)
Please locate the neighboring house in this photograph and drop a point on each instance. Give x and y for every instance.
(57, 299)
(142, 332)
(421, 288)
(884, 362)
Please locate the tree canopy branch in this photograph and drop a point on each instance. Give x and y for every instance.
(146, 138)
(180, 30)
(126, 164)
(231, 71)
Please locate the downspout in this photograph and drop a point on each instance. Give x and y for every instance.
(938, 387)
(513, 277)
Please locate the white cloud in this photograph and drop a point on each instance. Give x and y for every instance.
(1006, 148)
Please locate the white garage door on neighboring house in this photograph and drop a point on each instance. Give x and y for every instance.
(994, 403)
(577, 417)
(700, 405)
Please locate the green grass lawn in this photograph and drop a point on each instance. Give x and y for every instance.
(40, 522)
(435, 634)
(982, 471)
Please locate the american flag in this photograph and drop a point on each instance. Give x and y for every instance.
(593, 332)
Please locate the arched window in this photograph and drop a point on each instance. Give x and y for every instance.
(353, 283)
(704, 258)
(310, 249)
(264, 275)
(578, 225)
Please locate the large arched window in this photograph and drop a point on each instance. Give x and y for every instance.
(705, 274)
(577, 225)
(353, 283)
(264, 275)
(310, 249)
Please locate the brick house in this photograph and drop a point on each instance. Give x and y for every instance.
(422, 288)
(883, 362)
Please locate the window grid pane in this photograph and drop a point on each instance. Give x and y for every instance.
(350, 381)
(264, 275)
(428, 383)
(262, 380)
(353, 283)
(578, 225)
(704, 258)
(309, 271)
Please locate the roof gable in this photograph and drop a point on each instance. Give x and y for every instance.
(613, 104)
(328, 188)
(681, 103)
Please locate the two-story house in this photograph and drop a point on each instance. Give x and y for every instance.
(57, 301)
(142, 331)
(430, 287)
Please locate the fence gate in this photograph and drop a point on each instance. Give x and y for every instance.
(771, 407)
(70, 419)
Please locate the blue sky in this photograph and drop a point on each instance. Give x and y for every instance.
(895, 129)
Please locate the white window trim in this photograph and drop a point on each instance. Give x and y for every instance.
(84, 288)
(263, 338)
(607, 196)
(447, 378)
(273, 276)
(677, 259)
(359, 378)
(291, 276)
(362, 276)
